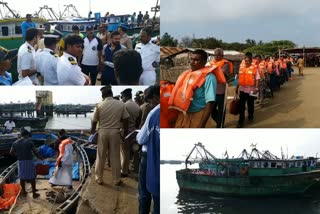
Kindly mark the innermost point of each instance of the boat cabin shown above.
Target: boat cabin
(12, 27)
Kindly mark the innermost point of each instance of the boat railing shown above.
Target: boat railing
(71, 201)
(8, 172)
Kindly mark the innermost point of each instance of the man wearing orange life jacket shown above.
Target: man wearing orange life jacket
(289, 67)
(63, 176)
(260, 65)
(167, 116)
(270, 74)
(283, 68)
(277, 71)
(248, 85)
(218, 113)
(194, 94)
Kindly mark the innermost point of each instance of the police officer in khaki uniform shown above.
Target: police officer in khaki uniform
(111, 115)
(133, 123)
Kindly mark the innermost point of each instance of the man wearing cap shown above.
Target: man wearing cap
(47, 59)
(111, 115)
(103, 34)
(125, 39)
(5, 64)
(149, 170)
(108, 75)
(40, 44)
(139, 99)
(26, 57)
(133, 123)
(68, 70)
(92, 53)
(147, 106)
(28, 23)
(150, 54)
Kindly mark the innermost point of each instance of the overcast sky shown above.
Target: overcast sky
(177, 143)
(237, 20)
(61, 94)
(117, 7)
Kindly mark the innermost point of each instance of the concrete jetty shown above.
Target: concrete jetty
(108, 198)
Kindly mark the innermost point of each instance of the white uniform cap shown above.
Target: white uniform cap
(51, 36)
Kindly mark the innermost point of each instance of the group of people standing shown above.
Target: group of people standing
(198, 98)
(47, 58)
(114, 120)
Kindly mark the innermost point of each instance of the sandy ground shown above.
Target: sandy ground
(108, 198)
(295, 105)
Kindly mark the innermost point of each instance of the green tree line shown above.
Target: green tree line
(251, 45)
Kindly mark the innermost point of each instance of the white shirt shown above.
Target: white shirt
(90, 51)
(149, 53)
(143, 135)
(46, 61)
(26, 60)
(67, 157)
(68, 71)
(9, 125)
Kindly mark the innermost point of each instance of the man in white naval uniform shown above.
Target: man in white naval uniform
(47, 59)
(26, 57)
(150, 54)
(68, 70)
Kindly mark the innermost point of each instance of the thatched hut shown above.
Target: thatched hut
(176, 60)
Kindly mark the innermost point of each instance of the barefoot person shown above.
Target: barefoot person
(24, 149)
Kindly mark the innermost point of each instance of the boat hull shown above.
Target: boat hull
(35, 123)
(248, 185)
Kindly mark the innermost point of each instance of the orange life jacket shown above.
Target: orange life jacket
(167, 116)
(62, 147)
(269, 66)
(185, 86)
(218, 72)
(277, 63)
(247, 76)
(261, 67)
(284, 64)
(10, 193)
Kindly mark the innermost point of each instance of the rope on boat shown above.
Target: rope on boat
(54, 203)
(15, 201)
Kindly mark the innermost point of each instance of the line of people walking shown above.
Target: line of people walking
(198, 98)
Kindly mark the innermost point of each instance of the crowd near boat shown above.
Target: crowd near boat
(80, 51)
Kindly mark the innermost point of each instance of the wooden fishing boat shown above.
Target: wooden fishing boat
(52, 199)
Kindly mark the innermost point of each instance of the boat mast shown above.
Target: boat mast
(50, 12)
(5, 4)
(68, 8)
(155, 9)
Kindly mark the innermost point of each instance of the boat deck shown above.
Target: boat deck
(42, 204)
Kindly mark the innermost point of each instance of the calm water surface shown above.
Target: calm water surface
(71, 122)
